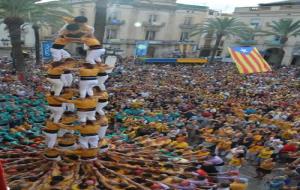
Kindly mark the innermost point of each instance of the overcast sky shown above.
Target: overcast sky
(224, 5)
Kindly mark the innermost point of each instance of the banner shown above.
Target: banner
(141, 48)
(46, 46)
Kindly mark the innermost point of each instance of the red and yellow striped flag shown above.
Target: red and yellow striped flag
(248, 60)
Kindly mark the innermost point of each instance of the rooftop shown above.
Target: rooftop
(288, 2)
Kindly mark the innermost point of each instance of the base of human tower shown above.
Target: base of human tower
(132, 165)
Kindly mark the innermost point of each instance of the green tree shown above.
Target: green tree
(283, 29)
(221, 28)
(247, 36)
(16, 13)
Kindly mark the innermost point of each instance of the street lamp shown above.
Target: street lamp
(137, 24)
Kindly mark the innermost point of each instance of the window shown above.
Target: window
(152, 18)
(150, 35)
(255, 23)
(184, 36)
(111, 34)
(188, 20)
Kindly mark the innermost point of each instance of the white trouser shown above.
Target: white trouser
(100, 106)
(101, 81)
(57, 85)
(84, 115)
(86, 87)
(56, 113)
(50, 139)
(102, 131)
(69, 107)
(89, 141)
(67, 79)
(62, 132)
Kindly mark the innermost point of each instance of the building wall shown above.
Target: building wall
(170, 17)
(259, 17)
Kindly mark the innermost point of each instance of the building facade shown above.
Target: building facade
(258, 18)
(164, 24)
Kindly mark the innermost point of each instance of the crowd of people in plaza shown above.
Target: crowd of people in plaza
(227, 119)
(208, 115)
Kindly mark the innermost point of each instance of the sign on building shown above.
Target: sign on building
(46, 46)
(141, 48)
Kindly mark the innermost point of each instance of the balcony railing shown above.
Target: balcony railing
(187, 26)
(154, 24)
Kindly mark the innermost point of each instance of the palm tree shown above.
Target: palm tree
(247, 36)
(221, 27)
(283, 30)
(16, 13)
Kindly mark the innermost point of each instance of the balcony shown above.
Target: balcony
(154, 26)
(275, 43)
(187, 26)
(246, 42)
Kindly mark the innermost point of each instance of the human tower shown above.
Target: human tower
(77, 123)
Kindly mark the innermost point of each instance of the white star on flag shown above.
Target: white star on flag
(244, 50)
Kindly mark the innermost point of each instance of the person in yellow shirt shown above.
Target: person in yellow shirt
(84, 154)
(253, 151)
(102, 75)
(102, 100)
(103, 122)
(88, 133)
(55, 105)
(86, 108)
(239, 184)
(67, 76)
(50, 132)
(52, 154)
(88, 79)
(236, 162)
(68, 93)
(54, 74)
(68, 142)
(68, 119)
(265, 153)
(265, 168)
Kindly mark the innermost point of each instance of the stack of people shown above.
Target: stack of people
(77, 123)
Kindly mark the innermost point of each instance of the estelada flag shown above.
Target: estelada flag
(249, 60)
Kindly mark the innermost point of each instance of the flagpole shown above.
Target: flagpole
(2, 178)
